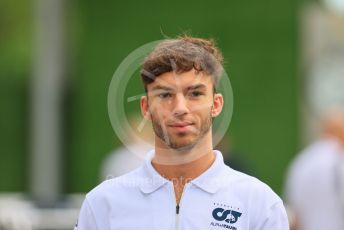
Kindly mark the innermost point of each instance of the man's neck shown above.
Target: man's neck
(187, 165)
(186, 171)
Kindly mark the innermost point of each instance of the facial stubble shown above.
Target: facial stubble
(162, 133)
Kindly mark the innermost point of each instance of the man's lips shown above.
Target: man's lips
(181, 126)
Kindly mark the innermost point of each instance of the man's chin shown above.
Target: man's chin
(182, 147)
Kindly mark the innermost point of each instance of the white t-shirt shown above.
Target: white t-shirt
(314, 188)
(220, 198)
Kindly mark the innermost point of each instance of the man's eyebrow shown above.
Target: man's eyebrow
(197, 86)
(162, 87)
(192, 87)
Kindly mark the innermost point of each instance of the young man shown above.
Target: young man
(183, 183)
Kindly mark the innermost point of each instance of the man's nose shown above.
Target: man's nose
(180, 105)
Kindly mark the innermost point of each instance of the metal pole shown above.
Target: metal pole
(46, 102)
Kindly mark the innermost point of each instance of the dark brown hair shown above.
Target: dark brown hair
(181, 55)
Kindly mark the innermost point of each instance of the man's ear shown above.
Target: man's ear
(145, 108)
(217, 105)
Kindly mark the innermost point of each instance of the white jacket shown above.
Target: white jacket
(220, 198)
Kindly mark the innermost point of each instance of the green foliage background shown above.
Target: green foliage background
(259, 42)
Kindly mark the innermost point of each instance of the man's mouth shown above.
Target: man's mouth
(182, 126)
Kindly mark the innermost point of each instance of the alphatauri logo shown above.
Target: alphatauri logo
(227, 215)
(230, 216)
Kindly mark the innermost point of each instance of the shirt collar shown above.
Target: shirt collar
(209, 181)
(152, 179)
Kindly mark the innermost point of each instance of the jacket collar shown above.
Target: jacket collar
(209, 181)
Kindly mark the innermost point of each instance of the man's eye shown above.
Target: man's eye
(164, 95)
(196, 93)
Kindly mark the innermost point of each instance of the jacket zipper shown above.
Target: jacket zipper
(176, 224)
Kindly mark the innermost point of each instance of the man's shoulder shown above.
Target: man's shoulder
(123, 184)
(249, 186)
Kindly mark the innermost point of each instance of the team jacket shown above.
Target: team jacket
(221, 198)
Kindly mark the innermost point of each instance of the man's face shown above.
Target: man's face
(181, 107)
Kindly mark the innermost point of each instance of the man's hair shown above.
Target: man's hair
(183, 54)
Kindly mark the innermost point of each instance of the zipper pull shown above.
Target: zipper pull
(177, 209)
